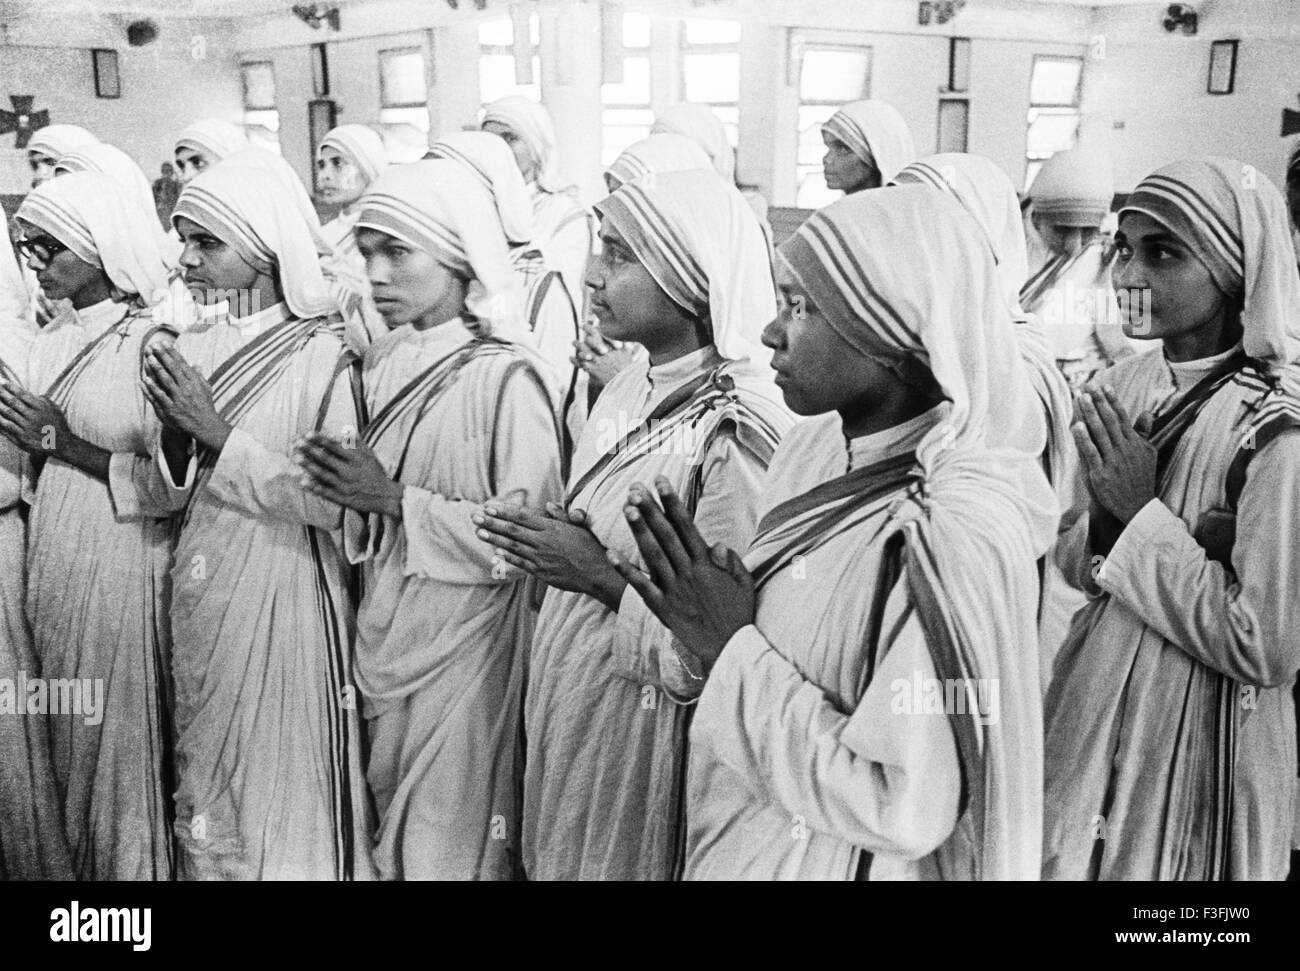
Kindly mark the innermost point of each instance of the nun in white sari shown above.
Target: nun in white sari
(608, 701)
(988, 195)
(349, 158)
(110, 160)
(1170, 720)
(868, 143)
(563, 227)
(656, 154)
(96, 567)
(269, 779)
(204, 144)
(32, 843)
(344, 275)
(886, 566)
(547, 312)
(49, 144)
(460, 413)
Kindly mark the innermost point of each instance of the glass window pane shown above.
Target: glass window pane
(1051, 132)
(499, 32)
(401, 78)
(1055, 81)
(259, 85)
(635, 87)
(712, 31)
(405, 132)
(811, 146)
(712, 77)
(496, 78)
(636, 30)
(837, 76)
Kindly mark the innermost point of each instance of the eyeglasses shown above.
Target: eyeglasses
(44, 248)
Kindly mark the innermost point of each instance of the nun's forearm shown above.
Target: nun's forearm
(86, 456)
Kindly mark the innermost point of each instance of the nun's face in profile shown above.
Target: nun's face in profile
(845, 171)
(1163, 289)
(213, 270)
(817, 370)
(189, 163)
(407, 284)
(42, 167)
(61, 273)
(625, 298)
(339, 178)
(524, 157)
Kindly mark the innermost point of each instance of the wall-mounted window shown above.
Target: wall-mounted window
(626, 113)
(404, 103)
(1053, 124)
(711, 69)
(497, 74)
(261, 117)
(829, 76)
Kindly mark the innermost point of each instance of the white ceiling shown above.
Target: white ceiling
(228, 8)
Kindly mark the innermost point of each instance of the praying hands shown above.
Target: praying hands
(702, 594)
(557, 547)
(35, 424)
(182, 398)
(348, 474)
(1119, 463)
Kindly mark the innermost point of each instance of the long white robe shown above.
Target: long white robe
(801, 756)
(442, 637)
(1136, 737)
(269, 778)
(32, 842)
(605, 716)
(563, 229)
(96, 601)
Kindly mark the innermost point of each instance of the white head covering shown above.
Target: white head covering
(699, 239)
(986, 192)
(247, 208)
(489, 159)
(362, 145)
(89, 214)
(121, 168)
(1074, 188)
(1234, 220)
(55, 141)
(658, 154)
(531, 122)
(870, 263)
(875, 132)
(213, 137)
(282, 172)
(440, 207)
(13, 288)
(705, 129)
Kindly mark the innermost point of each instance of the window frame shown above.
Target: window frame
(408, 49)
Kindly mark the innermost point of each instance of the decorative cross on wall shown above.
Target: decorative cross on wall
(22, 119)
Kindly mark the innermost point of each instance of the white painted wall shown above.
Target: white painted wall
(1154, 85)
(164, 85)
(1150, 83)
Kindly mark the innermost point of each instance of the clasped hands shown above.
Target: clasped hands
(1119, 463)
(702, 594)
